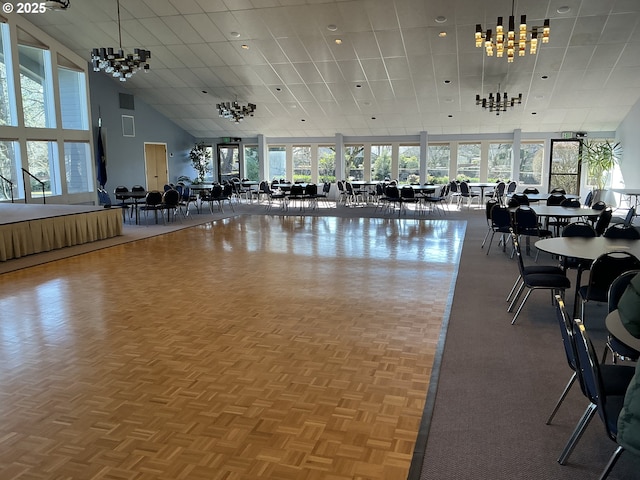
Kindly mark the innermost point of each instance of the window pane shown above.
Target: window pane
(500, 159)
(531, 160)
(251, 164)
(9, 169)
(302, 164)
(380, 162)
(438, 159)
(469, 161)
(327, 164)
(7, 102)
(354, 162)
(277, 163)
(42, 161)
(73, 99)
(35, 85)
(409, 164)
(77, 161)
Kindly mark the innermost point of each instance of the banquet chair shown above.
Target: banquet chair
(526, 223)
(535, 279)
(627, 219)
(603, 385)
(604, 219)
(498, 192)
(558, 190)
(219, 194)
(618, 349)
(408, 196)
(152, 203)
(170, 204)
(392, 197)
(519, 199)
(577, 229)
(297, 194)
(499, 221)
(604, 270)
(621, 231)
(511, 188)
(466, 192)
(555, 199)
(454, 192)
(532, 190)
(435, 202)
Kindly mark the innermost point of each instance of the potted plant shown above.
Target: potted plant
(200, 157)
(601, 157)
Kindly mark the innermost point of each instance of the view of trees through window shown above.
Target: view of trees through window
(438, 160)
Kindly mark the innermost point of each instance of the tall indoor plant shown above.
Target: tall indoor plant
(601, 157)
(200, 157)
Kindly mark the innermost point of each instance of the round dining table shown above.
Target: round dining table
(587, 248)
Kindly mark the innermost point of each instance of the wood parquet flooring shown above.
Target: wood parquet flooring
(257, 347)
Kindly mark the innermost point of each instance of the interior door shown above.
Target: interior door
(228, 162)
(157, 170)
(564, 170)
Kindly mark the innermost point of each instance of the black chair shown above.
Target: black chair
(498, 192)
(408, 196)
(392, 196)
(558, 190)
(627, 219)
(520, 199)
(436, 201)
(621, 231)
(588, 199)
(466, 192)
(554, 280)
(297, 194)
(555, 199)
(219, 194)
(570, 203)
(604, 270)
(526, 223)
(605, 391)
(511, 188)
(577, 229)
(454, 192)
(170, 203)
(499, 222)
(532, 190)
(603, 221)
(152, 203)
(619, 350)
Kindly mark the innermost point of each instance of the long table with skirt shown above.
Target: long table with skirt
(26, 229)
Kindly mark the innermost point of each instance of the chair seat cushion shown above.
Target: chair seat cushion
(552, 269)
(547, 280)
(616, 378)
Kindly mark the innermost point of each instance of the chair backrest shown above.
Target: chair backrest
(137, 188)
(167, 187)
(464, 188)
(556, 199)
(500, 216)
(340, 185)
(154, 197)
(603, 221)
(264, 187)
(392, 191)
(297, 190)
(171, 198)
(558, 190)
(453, 187)
(525, 219)
(311, 189)
(579, 229)
(521, 198)
(511, 188)
(518, 253)
(349, 188)
(599, 205)
(530, 190)
(186, 193)
(620, 230)
(217, 191)
(227, 190)
(592, 377)
(570, 203)
(617, 288)
(379, 189)
(631, 214)
(326, 187)
(588, 199)
(103, 198)
(566, 331)
(492, 202)
(121, 189)
(407, 192)
(606, 268)
(500, 188)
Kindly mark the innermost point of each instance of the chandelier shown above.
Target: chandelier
(512, 40)
(117, 63)
(235, 111)
(498, 103)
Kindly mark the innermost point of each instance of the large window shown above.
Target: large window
(354, 162)
(42, 158)
(327, 164)
(469, 161)
(73, 99)
(500, 159)
(409, 164)
(438, 160)
(36, 87)
(251, 164)
(277, 163)
(381, 162)
(302, 163)
(9, 169)
(531, 162)
(7, 102)
(77, 162)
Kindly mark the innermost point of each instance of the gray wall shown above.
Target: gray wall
(629, 137)
(125, 155)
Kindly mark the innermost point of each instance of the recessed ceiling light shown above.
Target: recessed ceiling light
(338, 41)
(367, 104)
(373, 118)
(332, 28)
(245, 47)
(204, 91)
(544, 77)
(235, 34)
(358, 86)
(440, 19)
(303, 120)
(564, 9)
(442, 34)
(447, 82)
(534, 113)
(450, 116)
(278, 89)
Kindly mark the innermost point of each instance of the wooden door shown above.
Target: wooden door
(156, 166)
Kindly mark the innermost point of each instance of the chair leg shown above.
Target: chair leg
(562, 397)
(493, 232)
(612, 461)
(526, 297)
(577, 433)
(515, 297)
(513, 289)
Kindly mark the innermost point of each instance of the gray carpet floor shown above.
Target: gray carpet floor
(496, 383)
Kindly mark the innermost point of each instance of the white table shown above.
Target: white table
(587, 248)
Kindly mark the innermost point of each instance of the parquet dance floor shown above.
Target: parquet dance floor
(257, 347)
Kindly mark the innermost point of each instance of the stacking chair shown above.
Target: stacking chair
(605, 391)
(511, 188)
(604, 270)
(435, 201)
(531, 190)
(466, 192)
(618, 349)
(499, 220)
(583, 230)
(520, 199)
(170, 203)
(152, 203)
(558, 190)
(219, 194)
(392, 197)
(588, 199)
(454, 192)
(408, 196)
(621, 231)
(526, 223)
(556, 199)
(550, 278)
(628, 218)
(498, 192)
(297, 194)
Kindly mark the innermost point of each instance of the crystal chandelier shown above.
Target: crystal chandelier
(235, 111)
(117, 63)
(512, 40)
(498, 103)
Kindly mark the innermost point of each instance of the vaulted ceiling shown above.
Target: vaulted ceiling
(393, 73)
